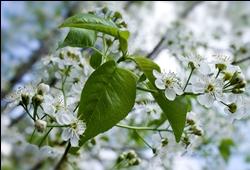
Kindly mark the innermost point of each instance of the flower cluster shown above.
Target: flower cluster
(216, 80)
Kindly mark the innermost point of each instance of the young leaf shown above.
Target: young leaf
(107, 98)
(95, 60)
(176, 110)
(79, 38)
(225, 148)
(92, 22)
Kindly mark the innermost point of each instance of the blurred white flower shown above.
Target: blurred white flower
(43, 88)
(52, 104)
(168, 82)
(210, 89)
(222, 61)
(198, 62)
(238, 107)
(15, 97)
(75, 127)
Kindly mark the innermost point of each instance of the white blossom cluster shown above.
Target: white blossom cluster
(215, 80)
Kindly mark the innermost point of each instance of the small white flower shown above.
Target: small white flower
(238, 107)
(52, 104)
(43, 88)
(74, 130)
(40, 125)
(211, 89)
(197, 61)
(168, 82)
(15, 97)
(222, 61)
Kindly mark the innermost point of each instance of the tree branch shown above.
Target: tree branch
(241, 60)
(158, 47)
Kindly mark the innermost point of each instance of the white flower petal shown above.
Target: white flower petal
(159, 84)
(64, 118)
(170, 94)
(178, 90)
(206, 100)
(66, 134)
(157, 74)
(74, 140)
(204, 68)
(198, 87)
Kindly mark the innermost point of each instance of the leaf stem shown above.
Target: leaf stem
(27, 111)
(58, 125)
(144, 141)
(192, 69)
(31, 137)
(44, 137)
(147, 90)
(142, 128)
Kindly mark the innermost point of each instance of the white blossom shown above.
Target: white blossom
(44, 88)
(75, 127)
(198, 62)
(210, 89)
(238, 107)
(168, 82)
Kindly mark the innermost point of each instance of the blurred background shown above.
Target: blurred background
(160, 31)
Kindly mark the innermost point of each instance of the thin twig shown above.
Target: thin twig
(59, 164)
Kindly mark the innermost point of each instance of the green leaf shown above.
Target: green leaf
(176, 110)
(92, 22)
(95, 60)
(146, 66)
(107, 97)
(224, 147)
(79, 38)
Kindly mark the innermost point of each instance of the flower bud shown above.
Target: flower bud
(43, 89)
(134, 161)
(37, 99)
(227, 76)
(240, 85)
(221, 66)
(197, 132)
(61, 56)
(238, 91)
(164, 142)
(191, 64)
(25, 99)
(40, 125)
(237, 78)
(232, 107)
(105, 10)
(121, 157)
(131, 154)
(93, 141)
(117, 15)
(190, 122)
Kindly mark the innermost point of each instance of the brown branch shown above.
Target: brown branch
(36, 55)
(241, 60)
(158, 47)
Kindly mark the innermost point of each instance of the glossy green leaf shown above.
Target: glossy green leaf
(225, 148)
(176, 110)
(95, 60)
(92, 22)
(107, 98)
(79, 38)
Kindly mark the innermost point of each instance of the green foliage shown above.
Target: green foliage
(79, 38)
(95, 60)
(107, 98)
(225, 148)
(92, 22)
(176, 110)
